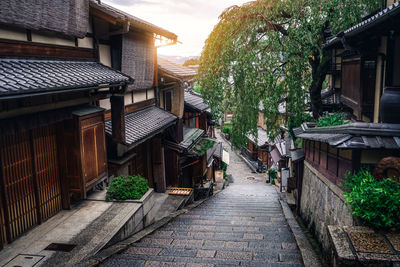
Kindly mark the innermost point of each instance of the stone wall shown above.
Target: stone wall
(322, 204)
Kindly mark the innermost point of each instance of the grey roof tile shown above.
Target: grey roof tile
(354, 135)
(175, 69)
(19, 76)
(190, 136)
(195, 101)
(144, 123)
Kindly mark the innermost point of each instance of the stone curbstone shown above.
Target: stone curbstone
(121, 246)
(308, 254)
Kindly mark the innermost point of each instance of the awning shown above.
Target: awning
(201, 147)
(190, 136)
(144, 124)
(21, 77)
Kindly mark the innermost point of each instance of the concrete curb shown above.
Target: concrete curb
(118, 248)
(310, 257)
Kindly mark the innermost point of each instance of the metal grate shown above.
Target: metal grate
(60, 247)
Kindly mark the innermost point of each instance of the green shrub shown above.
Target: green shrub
(224, 166)
(337, 118)
(127, 187)
(272, 174)
(227, 129)
(377, 203)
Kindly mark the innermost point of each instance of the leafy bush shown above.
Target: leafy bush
(377, 203)
(227, 129)
(224, 168)
(127, 187)
(272, 174)
(337, 118)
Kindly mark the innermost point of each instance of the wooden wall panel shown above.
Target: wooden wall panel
(101, 149)
(47, 170)
(18, 183)
(89, 162)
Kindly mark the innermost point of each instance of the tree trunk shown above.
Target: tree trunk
(319, 71)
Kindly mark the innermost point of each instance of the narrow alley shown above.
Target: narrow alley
(242, 225)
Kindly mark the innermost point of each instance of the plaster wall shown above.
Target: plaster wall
(18, 35)
(105, 55)
(150, 94)
(40, 38)
(322, 204)
(139, 96)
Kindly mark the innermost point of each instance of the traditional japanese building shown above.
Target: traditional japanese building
(368, 86)
(52, 142)
(137, 147)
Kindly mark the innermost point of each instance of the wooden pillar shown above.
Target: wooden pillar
(118, 118)
(179, 131)
(158, 166)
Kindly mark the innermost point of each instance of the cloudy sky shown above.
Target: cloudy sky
(191, 20)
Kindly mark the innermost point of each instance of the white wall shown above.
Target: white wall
(139, 96)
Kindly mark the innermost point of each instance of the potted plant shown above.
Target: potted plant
(272, 174)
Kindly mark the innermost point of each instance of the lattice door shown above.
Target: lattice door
(17, 184)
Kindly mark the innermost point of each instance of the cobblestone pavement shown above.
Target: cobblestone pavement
(241, 226)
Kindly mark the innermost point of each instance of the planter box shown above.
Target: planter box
(137, 219)
(362, 246)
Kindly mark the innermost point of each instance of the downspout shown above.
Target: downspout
(156, 88)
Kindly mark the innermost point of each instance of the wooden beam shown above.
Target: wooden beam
(22, 49)
(118, 118)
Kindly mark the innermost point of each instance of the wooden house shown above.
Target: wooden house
(52, 142)
(137, 147)
(190, 156)
(197, 113)
(368, 54)
(263, 153)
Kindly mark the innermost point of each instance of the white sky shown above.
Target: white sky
(191, 20)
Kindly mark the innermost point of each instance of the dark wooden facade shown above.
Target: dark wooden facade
(86, 158)
(333, 163)
(358, 84)
(30, 186)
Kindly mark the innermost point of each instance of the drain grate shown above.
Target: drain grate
(24, 260)
(250, 178)
(60, 247)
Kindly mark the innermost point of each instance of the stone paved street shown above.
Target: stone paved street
(242, 225)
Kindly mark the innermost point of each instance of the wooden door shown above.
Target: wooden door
(19, 203)
(30, 186)
(89, 161)
(94, 158)
(47, 170)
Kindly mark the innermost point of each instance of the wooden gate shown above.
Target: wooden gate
(30, 187)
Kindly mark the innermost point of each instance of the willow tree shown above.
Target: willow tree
(271, 51)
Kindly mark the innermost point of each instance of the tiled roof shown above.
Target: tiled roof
(176, 70)
(353, 135)
(144, 123)
(19, 76)
(382, 16)
(262, 139)
(134, 21)
(195, 101)
(190, 136)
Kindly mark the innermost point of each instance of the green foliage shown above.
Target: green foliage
(127, 187)
(192, 61)
(337, 118)
(377, 203)
(224, 166)
(299, 143)
(227, 129)
(197, 89)
(272, 174)
(271, 51)
(202, 146)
